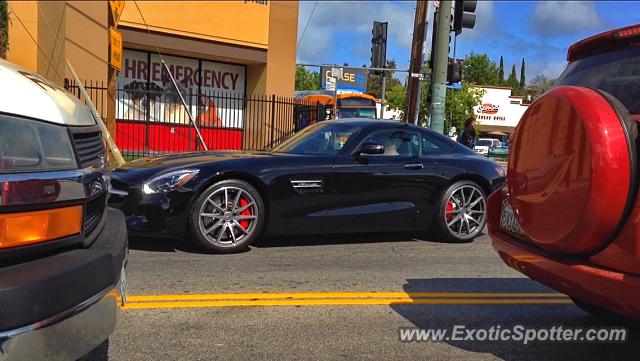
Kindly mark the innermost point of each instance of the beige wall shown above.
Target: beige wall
(75, 29)
(281, 56)
(21, 48)
(235, 22)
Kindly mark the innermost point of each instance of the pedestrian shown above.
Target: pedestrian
(468, 135)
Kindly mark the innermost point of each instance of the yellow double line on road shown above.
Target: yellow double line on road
(339, 298)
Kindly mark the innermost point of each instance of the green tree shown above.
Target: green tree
(4, 29)
(459, 105)
(307, 80)
(512, 80)
(374, 82)
(539, 85)
(501, 71)
(480, 70)
(522, 77)
(396, 97)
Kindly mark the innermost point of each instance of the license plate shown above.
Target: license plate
(508, 221)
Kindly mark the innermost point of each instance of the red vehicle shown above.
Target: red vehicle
(569, 215)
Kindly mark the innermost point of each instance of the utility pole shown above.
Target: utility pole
(415, 67)
(440, 62)
(382, 96)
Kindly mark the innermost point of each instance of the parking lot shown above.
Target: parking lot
(346, 298)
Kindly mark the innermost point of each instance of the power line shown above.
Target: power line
(308, 21)
(34, 41)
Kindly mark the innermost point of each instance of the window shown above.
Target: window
(397, 142)
(319, 139)
(617, 73)
(432, 145)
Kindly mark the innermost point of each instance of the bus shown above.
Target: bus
(306, 100)
(356, 105)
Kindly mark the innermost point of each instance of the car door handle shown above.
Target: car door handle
(414, 166)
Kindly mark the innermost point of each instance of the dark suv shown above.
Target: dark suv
(62, 251)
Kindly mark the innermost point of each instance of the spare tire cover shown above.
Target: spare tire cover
(569, 172)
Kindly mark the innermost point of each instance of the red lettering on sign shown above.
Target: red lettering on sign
(216, 79)
(224, 82)
(188, 74)
(207, 78)
(234, 80)
(142, 70)
(129, 67)
(155, 71)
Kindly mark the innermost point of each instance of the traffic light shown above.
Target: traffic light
(379, 45)
(464, 15)
(454, 71)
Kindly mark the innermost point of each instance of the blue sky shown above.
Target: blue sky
(539, 31)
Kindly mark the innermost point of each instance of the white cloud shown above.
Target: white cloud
(565, 17)
(332, 21)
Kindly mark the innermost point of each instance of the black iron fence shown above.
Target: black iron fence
(151, 120)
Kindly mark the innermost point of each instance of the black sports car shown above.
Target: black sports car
(332, 177)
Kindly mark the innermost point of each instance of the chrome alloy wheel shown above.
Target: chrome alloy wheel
(465, 213)
(228, 216)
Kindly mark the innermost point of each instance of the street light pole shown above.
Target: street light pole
(439, 74)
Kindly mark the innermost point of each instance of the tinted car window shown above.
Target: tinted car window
(617, 73)
(431, 145)
(396, 142)
(321, 139)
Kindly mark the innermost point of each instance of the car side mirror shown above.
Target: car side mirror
(371, 148)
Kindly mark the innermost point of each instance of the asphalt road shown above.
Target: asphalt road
(346, 299)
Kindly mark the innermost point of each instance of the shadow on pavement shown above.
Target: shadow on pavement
(536, 316)
(157, 244)
(334, 239)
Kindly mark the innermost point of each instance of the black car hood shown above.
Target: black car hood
(150, 166)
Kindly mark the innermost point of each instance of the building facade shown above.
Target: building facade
(499, 111)
(230, 61)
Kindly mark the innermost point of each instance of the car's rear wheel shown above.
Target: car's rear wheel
(462, 212)
(227, 217)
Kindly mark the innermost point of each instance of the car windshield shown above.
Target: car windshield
(617, 73)
(483, 143)
(369, 113)
(319, 139)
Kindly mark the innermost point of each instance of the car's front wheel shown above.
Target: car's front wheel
(462, 212)
(227, 217)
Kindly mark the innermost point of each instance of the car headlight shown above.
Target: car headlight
(27, 145)
(169, 181)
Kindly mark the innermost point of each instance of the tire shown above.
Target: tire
(227, 217)
(454, 226)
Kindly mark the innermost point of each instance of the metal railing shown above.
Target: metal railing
(151, 120)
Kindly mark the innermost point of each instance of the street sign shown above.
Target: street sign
(337, 72)
(116, 10)
(331, 84)
(417, 75)
(115, 49)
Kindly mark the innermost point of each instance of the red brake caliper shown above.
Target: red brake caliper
(247, 212)
(448, 211)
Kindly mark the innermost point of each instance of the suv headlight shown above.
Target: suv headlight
(27, 145)
(169, 181)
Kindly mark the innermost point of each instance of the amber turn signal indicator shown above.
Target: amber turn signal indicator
(26, 228)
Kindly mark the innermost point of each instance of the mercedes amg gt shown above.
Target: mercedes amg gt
(341, 176)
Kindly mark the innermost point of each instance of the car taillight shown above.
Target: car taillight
(628, 32)
(26, 228)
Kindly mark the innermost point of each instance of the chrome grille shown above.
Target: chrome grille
(89, 149)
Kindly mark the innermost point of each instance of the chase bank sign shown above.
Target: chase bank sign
(351, 80)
